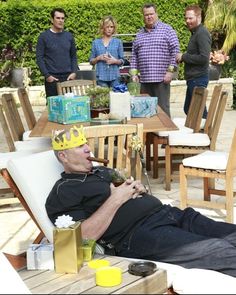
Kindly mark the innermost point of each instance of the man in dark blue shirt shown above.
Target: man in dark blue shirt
(56, 53)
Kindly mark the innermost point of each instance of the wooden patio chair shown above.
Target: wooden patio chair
(6, 131)
(211, 165)
(26, 107)
(78, 87)
(13, 117)
(32, 177)
(19, 135)
(191, 124)
(195, 143)
(16, 148)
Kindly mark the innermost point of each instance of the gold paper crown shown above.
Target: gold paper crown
(63, 140)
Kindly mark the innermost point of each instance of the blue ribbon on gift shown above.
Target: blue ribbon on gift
(120, 88)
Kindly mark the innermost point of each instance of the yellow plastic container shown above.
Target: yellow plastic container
(109, 276)
(97, 263)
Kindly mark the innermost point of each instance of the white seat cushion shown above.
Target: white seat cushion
(5, 157)
(202, 125)
(35, 176)
(182, 129)
(180, 122)
(11, 282)
(43, 140)
(203, 281)
(194, 139)
(32, 145)
(208, 160)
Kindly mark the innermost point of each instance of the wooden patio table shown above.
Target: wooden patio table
(48, 282)
(158, 122)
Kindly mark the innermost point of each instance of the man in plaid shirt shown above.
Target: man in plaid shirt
(153, 56)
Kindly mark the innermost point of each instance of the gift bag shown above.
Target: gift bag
(120, 104)
(68, 252)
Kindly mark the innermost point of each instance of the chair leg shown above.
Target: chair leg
(229, 200)
(155, 157)
(206, 184)
(168, 168)
(148, 151)
(17, 261)
(183, 187)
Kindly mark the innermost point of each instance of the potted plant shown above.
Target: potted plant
(12, 66)
(99, 100)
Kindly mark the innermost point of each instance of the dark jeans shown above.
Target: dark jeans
(160, 90)
(51, 87)
(199, 81)
(184, 237)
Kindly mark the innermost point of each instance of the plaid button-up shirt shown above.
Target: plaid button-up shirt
(153, 52)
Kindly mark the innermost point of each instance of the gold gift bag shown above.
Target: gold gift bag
(68, 252)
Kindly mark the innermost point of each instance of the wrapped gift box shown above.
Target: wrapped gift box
(68, 110)
(143, 106)
(40, 256)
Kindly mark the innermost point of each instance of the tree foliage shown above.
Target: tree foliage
(221, 21)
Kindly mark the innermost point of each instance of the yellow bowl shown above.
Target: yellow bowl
(97, 263)
(108, 276)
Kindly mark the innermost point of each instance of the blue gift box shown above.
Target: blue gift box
(143, 106)
(68, 110)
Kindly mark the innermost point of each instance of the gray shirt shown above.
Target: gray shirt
(196, 59)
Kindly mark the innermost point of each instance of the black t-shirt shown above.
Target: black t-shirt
(80, 195)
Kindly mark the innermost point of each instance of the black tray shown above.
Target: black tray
(142, 268)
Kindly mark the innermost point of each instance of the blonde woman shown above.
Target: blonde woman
(107, 54)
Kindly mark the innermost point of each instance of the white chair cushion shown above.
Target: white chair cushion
(11, 282)
(202, 281)
(202, 125)
(35, 176)
(5, 157)
(208, 160)
(194, 139)
(33, 145)
(182, 129)
(180, 122)
(43, 140)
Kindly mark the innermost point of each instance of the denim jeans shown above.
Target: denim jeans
(199, 81)
(184, 237)
(109, 84)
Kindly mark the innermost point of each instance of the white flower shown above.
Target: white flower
(64, 221)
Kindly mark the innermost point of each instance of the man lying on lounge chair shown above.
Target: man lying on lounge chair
(130, 221)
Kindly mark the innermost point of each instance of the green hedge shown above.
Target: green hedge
(21, 22)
